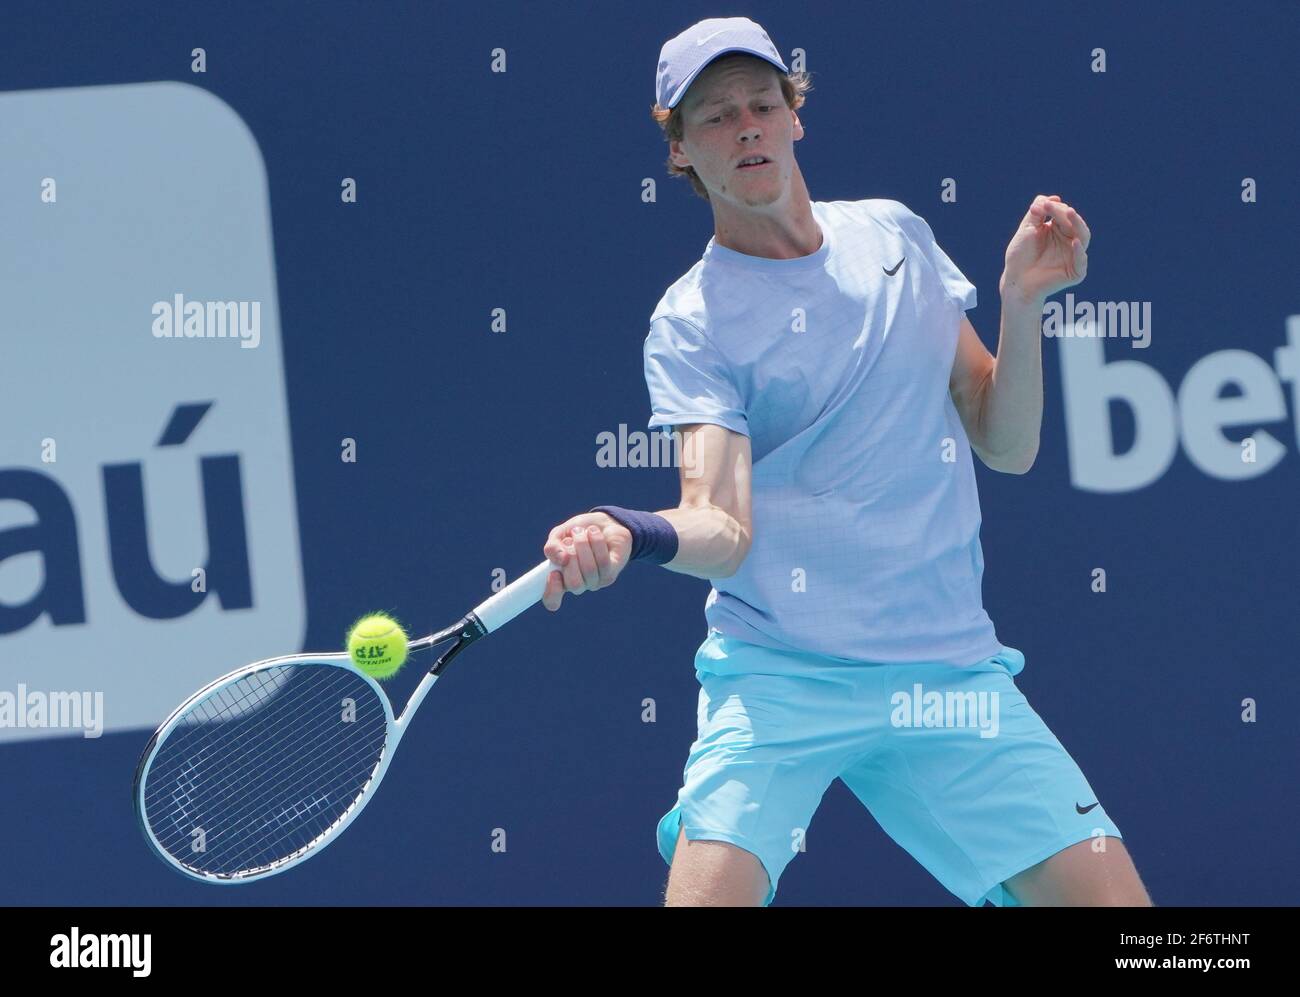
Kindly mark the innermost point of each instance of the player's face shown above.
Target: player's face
(734, 110)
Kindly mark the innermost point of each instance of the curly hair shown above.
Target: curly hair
(793, 88)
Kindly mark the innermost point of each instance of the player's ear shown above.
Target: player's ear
(677, 154)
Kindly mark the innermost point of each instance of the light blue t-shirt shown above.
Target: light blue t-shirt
(836, 366)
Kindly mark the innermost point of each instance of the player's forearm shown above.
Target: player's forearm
(711, 543)
(1011, 410)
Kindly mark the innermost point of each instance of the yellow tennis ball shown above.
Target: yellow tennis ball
(377, 645)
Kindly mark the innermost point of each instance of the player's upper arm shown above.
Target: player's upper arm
(693, 389)
(715, 470)
(971, 369)
(715, 473)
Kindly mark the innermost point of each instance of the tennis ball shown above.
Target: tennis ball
(377, 645)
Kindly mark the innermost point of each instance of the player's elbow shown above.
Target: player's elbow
(1011, 457)
(740, 550)
(1017, 463)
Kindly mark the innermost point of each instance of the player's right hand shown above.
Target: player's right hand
(588, 552)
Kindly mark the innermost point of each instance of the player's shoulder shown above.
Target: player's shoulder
(881, 210)
(873, 218)
(887, 216)
(672, 325)
(682, 311)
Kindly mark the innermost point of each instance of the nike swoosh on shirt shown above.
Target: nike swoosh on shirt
(1084, 810)
(896, 266)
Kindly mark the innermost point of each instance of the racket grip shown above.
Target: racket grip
(512, 600)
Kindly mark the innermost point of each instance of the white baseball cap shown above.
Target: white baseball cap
(683, 58)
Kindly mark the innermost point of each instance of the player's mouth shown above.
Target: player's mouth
(753, 163)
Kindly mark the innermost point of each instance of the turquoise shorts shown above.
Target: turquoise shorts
(951, 761)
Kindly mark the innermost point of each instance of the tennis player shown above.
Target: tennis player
(819, 366)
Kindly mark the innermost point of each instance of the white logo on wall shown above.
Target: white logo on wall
(150, 543)
(1199, 414)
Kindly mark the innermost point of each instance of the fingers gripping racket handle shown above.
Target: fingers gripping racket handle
(512, 600)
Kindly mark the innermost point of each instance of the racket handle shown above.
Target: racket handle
(512, 600)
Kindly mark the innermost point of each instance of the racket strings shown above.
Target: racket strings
(281, 786)
(295, 813)
(263, 767)
(276, 732)
(191, 751)
(260, 808)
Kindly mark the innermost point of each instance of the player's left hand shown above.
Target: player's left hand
(1049, 251)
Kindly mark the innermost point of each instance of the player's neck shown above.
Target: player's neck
(782, 230)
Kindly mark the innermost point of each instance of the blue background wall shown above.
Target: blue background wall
(523, 191)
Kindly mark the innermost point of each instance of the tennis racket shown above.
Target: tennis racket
(267, 765)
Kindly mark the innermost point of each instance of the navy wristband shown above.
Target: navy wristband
(653, 537)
